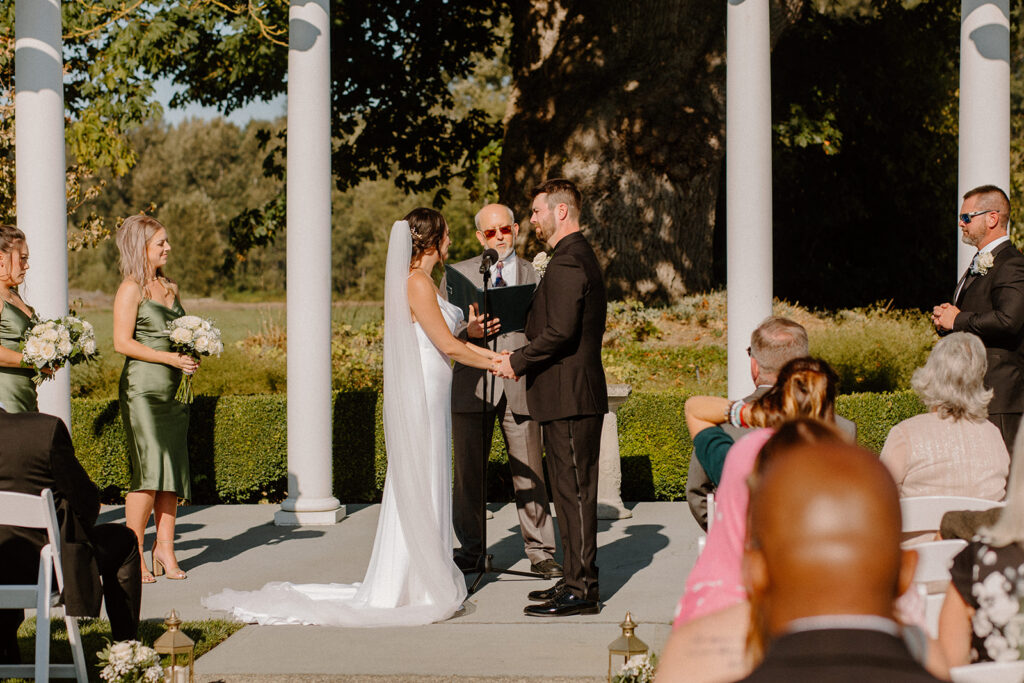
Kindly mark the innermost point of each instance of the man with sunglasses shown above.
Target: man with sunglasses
(496, 229)
(989, 302)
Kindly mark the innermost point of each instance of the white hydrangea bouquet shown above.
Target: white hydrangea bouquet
(638, 669)
(196, 337)
(52, 344)
(129, 661)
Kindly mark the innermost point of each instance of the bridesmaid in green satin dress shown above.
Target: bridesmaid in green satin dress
(155, 424)
(17, 391)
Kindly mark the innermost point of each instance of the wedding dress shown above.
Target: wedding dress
(411, 578)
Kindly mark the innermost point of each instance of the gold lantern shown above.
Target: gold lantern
(181, 649)
(626, 645)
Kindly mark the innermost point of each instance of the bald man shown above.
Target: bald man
(824, 566)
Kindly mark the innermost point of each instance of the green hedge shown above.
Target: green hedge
(238, 445)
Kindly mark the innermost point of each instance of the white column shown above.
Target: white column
(310, 498)
(609, 467)
(984, 104)
(748, 165)
(40, 172)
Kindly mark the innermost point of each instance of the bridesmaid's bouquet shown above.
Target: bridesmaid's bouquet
(196, 337)
(52, 344)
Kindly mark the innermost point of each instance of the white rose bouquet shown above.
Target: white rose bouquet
(639, 669)
(196, 337)
(52, 344)
(129, 661)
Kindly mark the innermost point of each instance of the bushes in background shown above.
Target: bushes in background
(239, 449)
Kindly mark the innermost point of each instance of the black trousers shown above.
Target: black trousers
(573, 446)
(1008, 424)
(117, 557)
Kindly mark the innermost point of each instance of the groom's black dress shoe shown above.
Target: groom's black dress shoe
(566, 604)
(548, 568)
(548, 593)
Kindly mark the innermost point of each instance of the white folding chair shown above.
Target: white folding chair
(37, 512)
(931, 577)
(924, 513)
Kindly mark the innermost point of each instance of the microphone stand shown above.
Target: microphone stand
(484, 564)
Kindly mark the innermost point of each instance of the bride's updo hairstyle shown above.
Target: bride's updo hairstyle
(132, 238)
(427, 229)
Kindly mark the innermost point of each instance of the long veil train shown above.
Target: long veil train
(411, 578)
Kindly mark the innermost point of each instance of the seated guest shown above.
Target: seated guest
(806, 388)
(713, 648)
(774, 342)
(36, 454)
(982, 613)
(823, 566)
(952, 450)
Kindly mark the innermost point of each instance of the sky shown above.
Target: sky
(257, 110)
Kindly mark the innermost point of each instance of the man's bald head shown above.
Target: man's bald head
(825, 536)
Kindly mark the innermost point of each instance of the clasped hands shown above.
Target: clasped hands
(944, 315)
(503, 367)
(476, 328)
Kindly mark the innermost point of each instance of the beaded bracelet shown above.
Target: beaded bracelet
(736, 414)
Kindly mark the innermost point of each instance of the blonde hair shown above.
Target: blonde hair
(132, 238)
(1009, 528)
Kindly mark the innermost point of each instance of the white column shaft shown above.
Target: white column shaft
(40, 172)
(310, 498)
(984, 104)
(748, 166)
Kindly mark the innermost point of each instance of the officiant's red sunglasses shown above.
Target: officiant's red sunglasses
(489, 233)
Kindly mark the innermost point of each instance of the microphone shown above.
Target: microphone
(490, 257)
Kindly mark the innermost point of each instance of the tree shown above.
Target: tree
(628, 100)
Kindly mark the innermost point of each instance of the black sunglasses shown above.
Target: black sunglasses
(965, 218)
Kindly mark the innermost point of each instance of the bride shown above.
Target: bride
(411, 578)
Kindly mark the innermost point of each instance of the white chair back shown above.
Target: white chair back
(988, 672)
(935, 558)
(38, 512)
(703, 540)
(924, 513)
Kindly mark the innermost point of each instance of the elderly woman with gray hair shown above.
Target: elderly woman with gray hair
(952, 450)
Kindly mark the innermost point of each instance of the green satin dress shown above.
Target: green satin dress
(156, 425)
(17, 391)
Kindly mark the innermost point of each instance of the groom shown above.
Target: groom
(565, 389)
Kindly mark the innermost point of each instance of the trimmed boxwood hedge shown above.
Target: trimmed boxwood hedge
(238, 445)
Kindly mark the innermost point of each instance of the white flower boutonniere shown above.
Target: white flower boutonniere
(540, 263)
(982, 262)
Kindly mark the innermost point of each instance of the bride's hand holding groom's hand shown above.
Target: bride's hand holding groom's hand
(503, 367)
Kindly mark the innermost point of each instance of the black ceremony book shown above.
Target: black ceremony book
(508, 304)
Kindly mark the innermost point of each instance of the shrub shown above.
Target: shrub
(238, 445)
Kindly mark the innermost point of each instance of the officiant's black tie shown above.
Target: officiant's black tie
(499, 281)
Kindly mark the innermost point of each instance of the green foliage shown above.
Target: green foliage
(630, 320)
(238, 445)
(873, 349)
(694, 369)
(206, 634)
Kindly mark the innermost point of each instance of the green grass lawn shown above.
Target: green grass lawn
(96, 633)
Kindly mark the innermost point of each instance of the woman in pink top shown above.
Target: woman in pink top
(806, 387)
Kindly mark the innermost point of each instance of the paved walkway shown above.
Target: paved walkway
(643, 561)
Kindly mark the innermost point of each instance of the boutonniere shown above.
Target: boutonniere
(540, 263)
(982, 262)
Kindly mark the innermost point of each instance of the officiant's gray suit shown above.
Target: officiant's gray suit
(522, 436)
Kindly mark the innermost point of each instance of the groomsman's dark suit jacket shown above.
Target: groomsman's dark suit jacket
(522, 435)
(567, 394)
(992, 307)
(839, 656)
(35, 454)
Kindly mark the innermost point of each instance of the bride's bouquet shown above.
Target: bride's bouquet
(196, 337)
(129, 661)
(52, 344)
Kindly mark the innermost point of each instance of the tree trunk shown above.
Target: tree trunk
(627, 99)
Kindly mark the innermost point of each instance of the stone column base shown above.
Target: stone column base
(309, 517)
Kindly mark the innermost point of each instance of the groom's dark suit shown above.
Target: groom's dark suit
(992, 307)
(36, 454)
(567, 394)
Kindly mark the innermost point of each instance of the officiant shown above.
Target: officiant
(497, 229)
